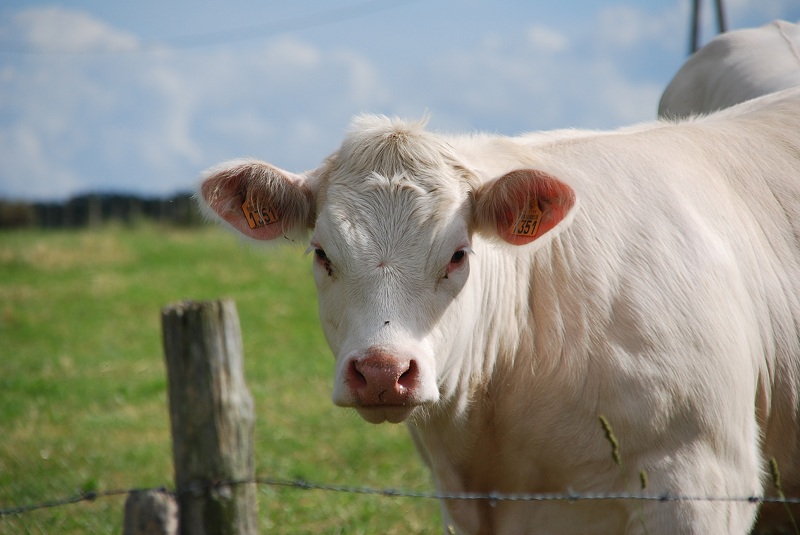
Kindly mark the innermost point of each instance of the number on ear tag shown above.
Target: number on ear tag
(258, 217)
(528, 222)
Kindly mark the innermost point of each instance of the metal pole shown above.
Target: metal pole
(695, 26)
(721, 26)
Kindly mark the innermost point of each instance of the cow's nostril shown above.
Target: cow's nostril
(355, 377)
(408, 379)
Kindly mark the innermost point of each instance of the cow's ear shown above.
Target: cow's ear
(522, 206)
(257, 199)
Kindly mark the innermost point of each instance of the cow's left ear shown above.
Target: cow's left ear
(522, 206)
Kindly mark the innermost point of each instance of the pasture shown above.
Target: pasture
(83, 384)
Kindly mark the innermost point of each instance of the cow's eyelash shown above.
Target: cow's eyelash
(322, 257)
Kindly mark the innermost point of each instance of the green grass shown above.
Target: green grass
(83, 384)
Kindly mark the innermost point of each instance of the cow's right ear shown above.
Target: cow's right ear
(257, 199)
(522, 206)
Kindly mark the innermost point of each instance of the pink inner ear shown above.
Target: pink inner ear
(528, 203)
(239, 195)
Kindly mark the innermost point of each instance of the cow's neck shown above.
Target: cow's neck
(474, 446)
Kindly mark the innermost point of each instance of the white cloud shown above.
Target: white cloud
(23, 159)
(547, 38)
(624, 26)
(540, 80)
(631, 26)
(172, 127)
(364, 85)
(288, 54)
(53, 29)
(150, 122)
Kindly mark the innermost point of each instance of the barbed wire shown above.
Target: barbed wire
(200, 489)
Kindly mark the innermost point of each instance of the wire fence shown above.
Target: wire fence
(191, 318)
(492, 497)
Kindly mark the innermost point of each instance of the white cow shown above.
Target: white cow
(735, 67)
(500, 294)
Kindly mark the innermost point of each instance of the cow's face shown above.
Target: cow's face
(391, 263)
(393, 215)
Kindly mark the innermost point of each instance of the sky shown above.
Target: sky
(141, 97)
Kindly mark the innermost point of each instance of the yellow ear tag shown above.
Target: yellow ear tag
(258, 217)
(528, 222)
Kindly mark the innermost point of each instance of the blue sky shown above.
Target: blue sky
(140, 97)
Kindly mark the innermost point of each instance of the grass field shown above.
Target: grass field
(83, 387)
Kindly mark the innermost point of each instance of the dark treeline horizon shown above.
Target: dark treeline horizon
(93, 209)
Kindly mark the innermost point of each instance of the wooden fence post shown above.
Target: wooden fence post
(212, 419)
(151, 512)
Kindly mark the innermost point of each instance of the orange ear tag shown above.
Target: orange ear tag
(528, 222)
(258, 217)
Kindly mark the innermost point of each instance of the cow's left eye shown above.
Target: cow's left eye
(456, 261)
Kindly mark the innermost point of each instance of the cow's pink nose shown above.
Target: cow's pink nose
(382, 379)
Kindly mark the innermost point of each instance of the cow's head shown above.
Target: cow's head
(392, 216)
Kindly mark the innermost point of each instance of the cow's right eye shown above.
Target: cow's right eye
(323, 259)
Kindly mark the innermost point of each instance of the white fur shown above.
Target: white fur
(668, 301)
(735, 67)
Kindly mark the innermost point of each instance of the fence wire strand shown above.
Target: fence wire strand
(491, 497)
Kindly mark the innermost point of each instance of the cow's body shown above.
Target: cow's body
(735, 67)
(661, 289)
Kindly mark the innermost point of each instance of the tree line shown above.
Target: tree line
(99, 208)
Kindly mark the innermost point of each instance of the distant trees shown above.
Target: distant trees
(95, 209)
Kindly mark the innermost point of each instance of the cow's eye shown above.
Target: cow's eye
(458, 257)
(456, 261)
(324, 261)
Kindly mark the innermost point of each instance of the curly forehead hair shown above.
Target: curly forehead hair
(393, 148)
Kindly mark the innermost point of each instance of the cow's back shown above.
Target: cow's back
(735, 67)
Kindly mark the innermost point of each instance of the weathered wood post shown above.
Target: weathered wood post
(212, 419)
(150, 512)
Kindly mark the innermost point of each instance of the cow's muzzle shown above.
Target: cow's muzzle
(383, 380)
(384, 384)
